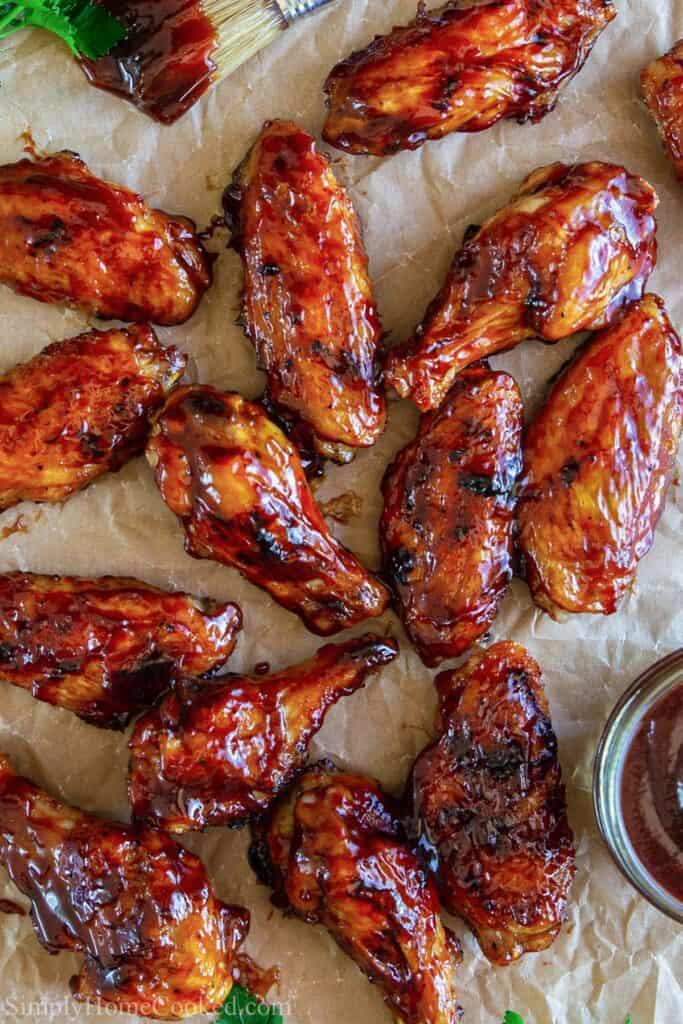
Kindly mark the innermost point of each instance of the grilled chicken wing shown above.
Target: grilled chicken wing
(139, 907)
(79, 408)
(307, 302)
(332, 850)
(662, 87)
(446, 529)
(598, 461)
(106, 648)
(574, 246)
(487, 805)
(460, 68)
(68, 237)
(239, 488)
(219, 754)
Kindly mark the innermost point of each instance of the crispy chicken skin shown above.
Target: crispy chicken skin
(662, 87)
(487, 806)
(569, 250)
(238, 486)
(139, 907)
(460, 68)
(106, 648)
(332, 849)
(219, 754)
(446, 528)
(307, 301)
(69, 237)
(598, 461)
(78, 409)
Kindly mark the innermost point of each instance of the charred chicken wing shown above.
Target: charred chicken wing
(446, 529)
(487, 804)
(574, 246)
(332, 849)
(219, 754)
(79, 408)
(307, 302)
(598, 461)
(139, 907)
(106, 648)
(68, 237)
(460, 68)
(662, 86)
(239, 488)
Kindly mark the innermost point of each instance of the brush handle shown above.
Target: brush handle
(294, 9)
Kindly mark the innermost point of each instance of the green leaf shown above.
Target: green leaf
(241, 1007)
(87, 29)
(512, 1018)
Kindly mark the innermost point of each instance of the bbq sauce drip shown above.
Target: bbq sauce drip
(164, 65)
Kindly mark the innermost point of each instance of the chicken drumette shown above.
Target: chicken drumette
(69, 237)
(307, 302)
(106, 648)
(460, 68)
(487, 806)
(332, 850)
(139, 907)
(219, 754)
(238, 486)
(598, 461)
(574, 246)
(662, 86)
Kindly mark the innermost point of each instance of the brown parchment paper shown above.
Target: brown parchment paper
(616, 955)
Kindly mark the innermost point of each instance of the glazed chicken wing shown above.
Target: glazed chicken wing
(662, 86)
(79, 408)
(460, 68)
(307, 301)
(446, 529)
(219, 754)
(106, 648)
(487, 805)
(139, 907)
(574, 246)
(332, 850)
(598, 461)
(239, 488)
(68, 237)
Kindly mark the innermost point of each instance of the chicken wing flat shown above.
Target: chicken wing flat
(78, 409)
(488, 808)
(139, 907)
(219, 754)
(106, 648)
(460, 68)
(332, 850)
(307, 301)
(68, 237)
(598, 461)
(446, 529)
(239, 488)
(662, 88)
(574, 246)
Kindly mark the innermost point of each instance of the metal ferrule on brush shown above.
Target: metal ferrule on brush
(293, 9)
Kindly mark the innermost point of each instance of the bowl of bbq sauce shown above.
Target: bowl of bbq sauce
(638, 785)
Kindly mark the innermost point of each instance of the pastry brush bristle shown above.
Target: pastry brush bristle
(243, 28)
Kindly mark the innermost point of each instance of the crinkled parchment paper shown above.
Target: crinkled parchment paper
(616, 955)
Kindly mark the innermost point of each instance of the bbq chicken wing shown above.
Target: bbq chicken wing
(307, 301)
(487, 805)
(79, 408)
(219, 754)
(332, 849)
(68, 237)
(574, 246)
(662, 87)
(239, 488)
(460, 68)
(139, 907)
(598, 461)
(446, 529)
(106, 648)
